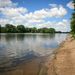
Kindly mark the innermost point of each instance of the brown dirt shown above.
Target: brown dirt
(63, 62)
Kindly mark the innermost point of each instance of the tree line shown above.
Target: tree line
(8, 28)
(73, 21)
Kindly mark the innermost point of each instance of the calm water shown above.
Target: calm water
(15, 48)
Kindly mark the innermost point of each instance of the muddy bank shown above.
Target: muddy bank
(33, 67)
(63, 62)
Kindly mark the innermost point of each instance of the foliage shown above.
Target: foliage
(21, 29)
(73, 21)
(10, 28)
(46, 30)
(0, 28)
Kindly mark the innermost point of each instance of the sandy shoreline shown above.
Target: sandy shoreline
(63, 62)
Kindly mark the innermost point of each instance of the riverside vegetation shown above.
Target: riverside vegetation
(21, 29)
(73, 21)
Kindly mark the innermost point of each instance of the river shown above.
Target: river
(19, 47)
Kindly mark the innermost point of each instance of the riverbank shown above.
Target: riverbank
(32, 67)
(63, 61)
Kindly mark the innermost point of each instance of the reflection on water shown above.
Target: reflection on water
(15, 48)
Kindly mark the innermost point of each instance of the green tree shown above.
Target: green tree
(73, 20)
(33, 30)
(74, 4)
(3, 30)
(51, 30)
(0, 28)
(10, 28)
(46, 30)
(21, 29)
(27, 30)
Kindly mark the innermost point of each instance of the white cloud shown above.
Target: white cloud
(40, 15)
(21, 14)
(57, 11)
(7, 3)
(63, 23)
(70, 5)
(5, 21)
(44, 13)
(59, 26)
(12, 12)
(53, 5)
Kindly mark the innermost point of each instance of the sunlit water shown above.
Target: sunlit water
(15, 48)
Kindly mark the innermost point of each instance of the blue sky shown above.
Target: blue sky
(37, 13)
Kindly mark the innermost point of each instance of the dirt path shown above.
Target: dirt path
(64, 61)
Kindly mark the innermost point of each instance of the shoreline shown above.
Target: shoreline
(34, 67)
(63, 61)
(51, 59)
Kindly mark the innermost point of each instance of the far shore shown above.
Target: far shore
(36, 32)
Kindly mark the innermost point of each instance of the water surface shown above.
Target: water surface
(15, 48)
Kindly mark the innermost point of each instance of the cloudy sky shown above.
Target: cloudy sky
(37, 13)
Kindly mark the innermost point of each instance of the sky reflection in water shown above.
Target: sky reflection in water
(19, 47)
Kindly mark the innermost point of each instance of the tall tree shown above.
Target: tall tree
(10, 28)
(73, 20)
(74, 4)
(0, 28)
(20, 28)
